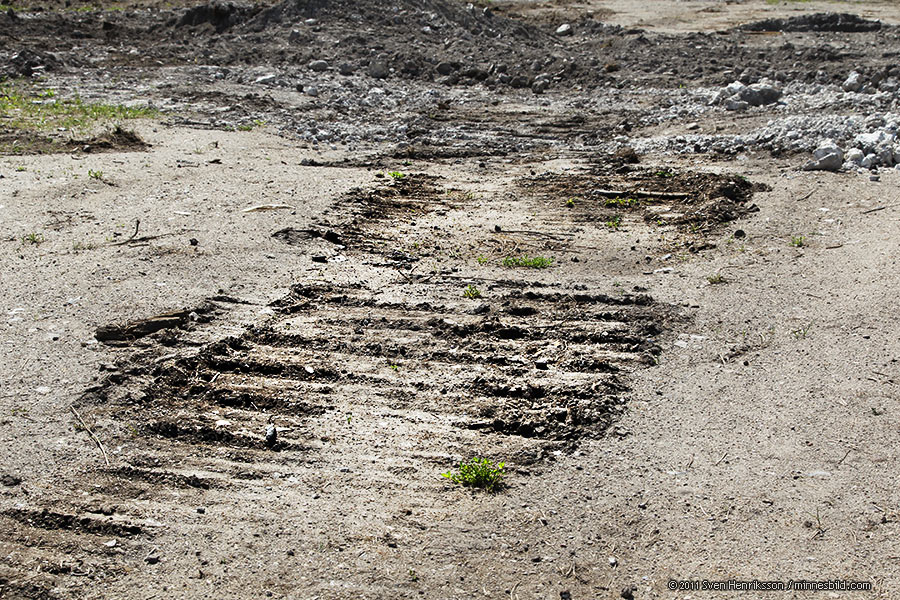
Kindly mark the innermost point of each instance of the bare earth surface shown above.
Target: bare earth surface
(701, 386)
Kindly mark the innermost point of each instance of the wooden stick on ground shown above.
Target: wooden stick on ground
(137, 225)
(642, 193)
(91, 433)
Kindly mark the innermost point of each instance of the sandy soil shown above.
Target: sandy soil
(691, 391)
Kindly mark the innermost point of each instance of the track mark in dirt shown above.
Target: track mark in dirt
(382, 386)
(50, 520)
(694, 202)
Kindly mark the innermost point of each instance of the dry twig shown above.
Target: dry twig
(91, 433)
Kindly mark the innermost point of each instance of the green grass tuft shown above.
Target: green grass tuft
(535, 262)
(479, 473)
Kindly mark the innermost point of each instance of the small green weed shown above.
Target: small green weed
(570, 202)
(665, 173)
(33, 238)
(397, 175)
(798, 241)
(801, 332)
(615, 222)
(622, 202)
(716, 278)
(535, 262)
(481, 259)
(95, 174)
(479, 473)
(471, 292)
(82, 246)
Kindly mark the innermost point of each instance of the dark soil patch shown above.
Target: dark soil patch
(47, 519)
(695, 202)
(19, 142)
(836, 22)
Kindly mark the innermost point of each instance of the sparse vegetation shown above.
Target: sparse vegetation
(33, 238)
(798, 241)
(26, 107)
(570, 202)
(471, 292)
(397, 175)
(614, 222)
(82, 246)
(622, 202)
(481, 259)
(95, 174)
(716, 278)
(534, 262)
(479, 473)
(801, 332)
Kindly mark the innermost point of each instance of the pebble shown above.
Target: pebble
(378, 69)
(318, 66)
(827, 157)
(853, 83)
(564, 29)
(266, 79)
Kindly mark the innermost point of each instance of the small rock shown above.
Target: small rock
(378, 69)
(271, 435)
(193, 241)
(541, 364)
(874, 178)
(152, 559)
(853, 83)
(827, 157)
(266, 79)
(444, 68)
(10, 480)
(628, 592)
(345, 69)
(740, 233)
(318, 66)
(613, 562)
(539, 86)
(736, 104)
(855, 156)
(201, 510)
(312, 91)
(564, 29)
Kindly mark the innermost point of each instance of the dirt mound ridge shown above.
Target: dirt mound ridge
(842, 22)
(409, 38)
(443, 17)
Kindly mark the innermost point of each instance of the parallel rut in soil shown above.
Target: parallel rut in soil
(371, 386)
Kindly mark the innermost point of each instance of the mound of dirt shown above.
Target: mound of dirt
(841, 22)
(431, 39)
(221, 15)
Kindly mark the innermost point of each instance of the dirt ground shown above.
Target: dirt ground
(699, 387)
